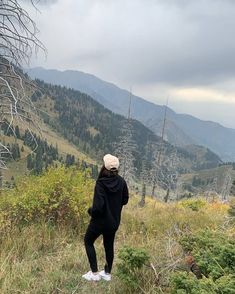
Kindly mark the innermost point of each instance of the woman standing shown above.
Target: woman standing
(110, 194)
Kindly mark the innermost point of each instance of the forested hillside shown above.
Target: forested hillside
(34, 153)
(181, 129)
(96, 130)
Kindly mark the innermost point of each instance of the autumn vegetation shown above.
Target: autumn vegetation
(180, 247)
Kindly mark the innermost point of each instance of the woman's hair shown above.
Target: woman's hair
(107, 173)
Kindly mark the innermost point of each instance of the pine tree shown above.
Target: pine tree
(17, 132)
(68, 160)
(30, 163)
(94, 171)
(38, 161)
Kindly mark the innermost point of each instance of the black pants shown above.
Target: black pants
(91, 235)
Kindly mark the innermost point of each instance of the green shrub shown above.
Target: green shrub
(194, 204)
(214, 253)
(60, 196)
(187, 283)
(130, 264)
(226, 284)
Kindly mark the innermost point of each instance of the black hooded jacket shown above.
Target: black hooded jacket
(110, 194)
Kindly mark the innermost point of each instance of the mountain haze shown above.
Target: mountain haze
(96, 130)
(181, 129)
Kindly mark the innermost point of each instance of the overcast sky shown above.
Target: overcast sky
(181, 49)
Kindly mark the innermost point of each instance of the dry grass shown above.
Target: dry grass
(42, 259)
(16, 168)
(218, 172)
(64, 146)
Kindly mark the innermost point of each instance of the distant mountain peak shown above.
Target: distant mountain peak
(186, 128)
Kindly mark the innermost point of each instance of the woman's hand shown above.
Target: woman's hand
(89, 211)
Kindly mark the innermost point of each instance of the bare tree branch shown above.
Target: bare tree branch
(18, 42)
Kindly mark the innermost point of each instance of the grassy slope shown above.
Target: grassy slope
(64, 146)
(218, 172)
(15, 168)
(40, 259)
(18, 168)
(46, 104)
(87, 112)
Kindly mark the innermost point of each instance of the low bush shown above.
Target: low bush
(186, 283)
(60, 196)
(130, 264)
(194, 204)
(214, 253)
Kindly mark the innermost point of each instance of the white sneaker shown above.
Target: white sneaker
(105, 276)
(90, 276)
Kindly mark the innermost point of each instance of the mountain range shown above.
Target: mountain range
(96, 130)
(181, 129)
(78, 129)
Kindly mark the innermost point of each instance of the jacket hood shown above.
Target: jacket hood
(113, 184)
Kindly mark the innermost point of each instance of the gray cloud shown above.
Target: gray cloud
(187, 44)
(176, 43)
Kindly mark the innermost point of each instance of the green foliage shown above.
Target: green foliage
(226, 284)
(187, 283)
(70, 160)
(43, 154)
(59, 196)
(215, 256)
(194, 204)
(131, 262)
(197, 182)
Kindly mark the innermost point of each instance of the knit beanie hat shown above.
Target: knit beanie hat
(111, 162)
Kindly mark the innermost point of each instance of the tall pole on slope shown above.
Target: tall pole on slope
(160, 149)
(128, 130)
(129, 108)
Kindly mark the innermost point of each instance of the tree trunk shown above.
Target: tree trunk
(166, 198)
